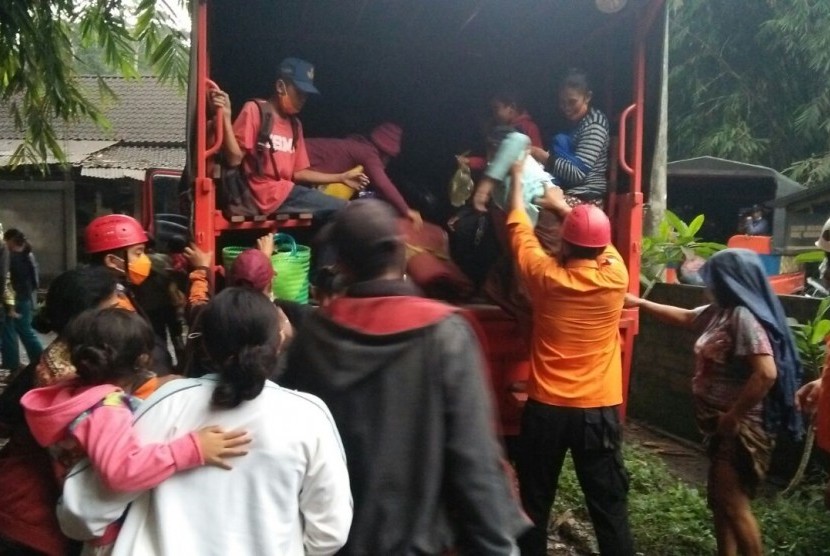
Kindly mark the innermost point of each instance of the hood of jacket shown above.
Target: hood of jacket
(50, 410)
(372, 327)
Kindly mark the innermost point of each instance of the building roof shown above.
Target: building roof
(75, 151)
(707, 167)
(147, 130)
(131, 161)
(144, 110)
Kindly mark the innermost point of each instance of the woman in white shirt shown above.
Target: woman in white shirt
(289, 495)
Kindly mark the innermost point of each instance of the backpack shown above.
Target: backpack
(234, 195)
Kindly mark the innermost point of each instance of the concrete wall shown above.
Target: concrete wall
(661, 374)
(45, 212)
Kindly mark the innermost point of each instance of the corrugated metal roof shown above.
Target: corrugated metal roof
(76, 151)
(133, 157)
(113, 173)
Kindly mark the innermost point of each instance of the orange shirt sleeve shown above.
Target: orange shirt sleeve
(199, 288)
(535, 266)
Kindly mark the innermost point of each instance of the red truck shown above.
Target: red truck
(424, 64)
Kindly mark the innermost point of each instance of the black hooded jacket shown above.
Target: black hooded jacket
(405, 381)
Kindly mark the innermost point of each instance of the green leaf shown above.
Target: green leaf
(677, 223)
(820, 332)
(696, 224)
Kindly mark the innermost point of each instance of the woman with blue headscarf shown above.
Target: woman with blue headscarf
(746, 374)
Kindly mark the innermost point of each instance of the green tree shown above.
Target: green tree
(39, 65)
(749, 81)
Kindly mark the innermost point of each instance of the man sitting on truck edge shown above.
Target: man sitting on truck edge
(274, 188)
(404, 378)
(575, 386)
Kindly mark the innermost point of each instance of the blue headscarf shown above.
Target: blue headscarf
(736, 278)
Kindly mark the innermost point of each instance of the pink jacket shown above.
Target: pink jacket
(75, 420)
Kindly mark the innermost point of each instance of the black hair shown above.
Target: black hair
(576, 78)
(580, 252)
(107, 345)
(509, 97)
(497, 134)
(374, 260)
(18, 238)
(240, 333)
(326, 280)
(71, 293)
(15, 236)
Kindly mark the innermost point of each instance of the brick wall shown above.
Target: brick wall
(660, 392)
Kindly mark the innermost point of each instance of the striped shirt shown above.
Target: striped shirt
(591, 140)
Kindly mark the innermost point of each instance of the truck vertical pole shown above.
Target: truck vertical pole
(204, 204)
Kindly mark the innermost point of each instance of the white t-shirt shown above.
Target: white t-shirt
(289, 495)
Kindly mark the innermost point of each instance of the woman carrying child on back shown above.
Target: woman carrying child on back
(91, 415)
(289, 496)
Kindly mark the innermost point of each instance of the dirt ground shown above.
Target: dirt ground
(569, 536)
(684, 459)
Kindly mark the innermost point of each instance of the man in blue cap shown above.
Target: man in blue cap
(272, 172)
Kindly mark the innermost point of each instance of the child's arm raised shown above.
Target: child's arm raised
(124, 465)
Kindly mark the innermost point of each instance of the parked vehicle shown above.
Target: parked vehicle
(424, 64)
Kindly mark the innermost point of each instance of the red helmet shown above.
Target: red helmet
(587, 226)
(114, 231)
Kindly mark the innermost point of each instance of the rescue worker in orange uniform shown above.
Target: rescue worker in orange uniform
(118, 242)
(575, 387)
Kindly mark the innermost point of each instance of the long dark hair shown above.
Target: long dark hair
(240, 333)
(71, 293)
(109, 345)
(576, 78)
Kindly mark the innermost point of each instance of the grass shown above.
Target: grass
(670, 517)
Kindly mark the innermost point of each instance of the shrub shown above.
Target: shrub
(668, 516)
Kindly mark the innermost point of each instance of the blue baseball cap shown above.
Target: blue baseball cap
(301, 73)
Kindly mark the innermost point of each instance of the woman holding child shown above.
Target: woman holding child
(289, 495)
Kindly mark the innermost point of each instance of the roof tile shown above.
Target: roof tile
(144, 111)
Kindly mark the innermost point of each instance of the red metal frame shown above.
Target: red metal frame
(625, 209)
(208, 222)
(204, 199)
(147, 196)
(629, 206)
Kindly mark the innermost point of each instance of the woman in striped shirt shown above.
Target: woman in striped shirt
(578, 160)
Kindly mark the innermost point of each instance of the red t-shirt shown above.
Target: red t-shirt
(272, 187)
(525, 124)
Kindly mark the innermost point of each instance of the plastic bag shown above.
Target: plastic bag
(461, 185)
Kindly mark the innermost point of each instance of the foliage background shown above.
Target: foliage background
(750, 81)
(45, 46)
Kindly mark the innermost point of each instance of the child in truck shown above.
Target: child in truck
(275, 186)
(508, 112)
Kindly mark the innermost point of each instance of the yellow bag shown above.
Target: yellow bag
(340, 190)
(461, 186)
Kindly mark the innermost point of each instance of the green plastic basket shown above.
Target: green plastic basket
(229, 255)
(291, 263)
